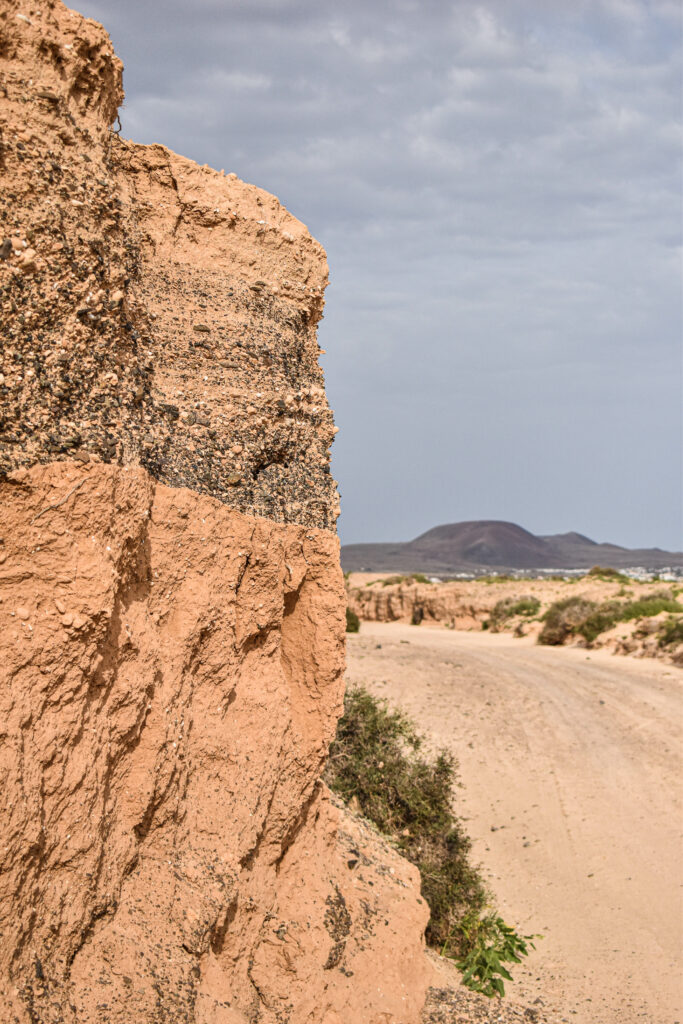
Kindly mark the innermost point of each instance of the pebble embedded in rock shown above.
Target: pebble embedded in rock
(22, 613)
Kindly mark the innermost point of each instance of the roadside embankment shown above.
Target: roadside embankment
(619, 614)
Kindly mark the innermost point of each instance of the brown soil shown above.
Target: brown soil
(570, 762)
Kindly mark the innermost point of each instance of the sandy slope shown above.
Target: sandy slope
(571, 772)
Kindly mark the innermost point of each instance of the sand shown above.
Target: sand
(570, 763)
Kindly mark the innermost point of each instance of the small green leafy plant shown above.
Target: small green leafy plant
(491, 944)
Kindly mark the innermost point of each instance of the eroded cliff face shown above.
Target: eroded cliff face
(172, 602)
(157, 313)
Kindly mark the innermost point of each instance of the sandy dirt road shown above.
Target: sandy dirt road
(571, 767)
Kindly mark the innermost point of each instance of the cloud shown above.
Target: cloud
(497, 186)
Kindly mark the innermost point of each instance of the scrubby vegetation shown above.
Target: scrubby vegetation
(603, 572)
(577, 616)
(352, 621)
(599, 621)
(377, 760)
(653, 604)
(564, 618)
(671, 632)
(391, 581)
(507, 607)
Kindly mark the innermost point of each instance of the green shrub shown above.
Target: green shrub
(526, 606)
(352, 621)
(392, 581)
(671, 632)
(563, 619)
(578, 616)
(648, 607)
(376, 758)
(603, 572)
(509, 606)
(602, 619)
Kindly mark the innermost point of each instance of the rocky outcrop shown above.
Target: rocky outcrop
(156, 313)
(459, 605)
(171, 597)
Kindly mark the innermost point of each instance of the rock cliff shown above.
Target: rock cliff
(171, 598)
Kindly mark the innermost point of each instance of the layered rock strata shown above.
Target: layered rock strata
(156, 313)
(171, 597)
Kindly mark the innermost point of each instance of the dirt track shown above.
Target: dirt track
(570, 762)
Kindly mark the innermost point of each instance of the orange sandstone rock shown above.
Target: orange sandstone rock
(171, 599)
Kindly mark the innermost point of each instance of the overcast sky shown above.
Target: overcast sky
(497, 186)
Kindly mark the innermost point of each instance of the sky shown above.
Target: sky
(497, 186)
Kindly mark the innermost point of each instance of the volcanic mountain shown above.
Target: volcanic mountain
(481, 545)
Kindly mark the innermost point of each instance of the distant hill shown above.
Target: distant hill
(491, 544)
